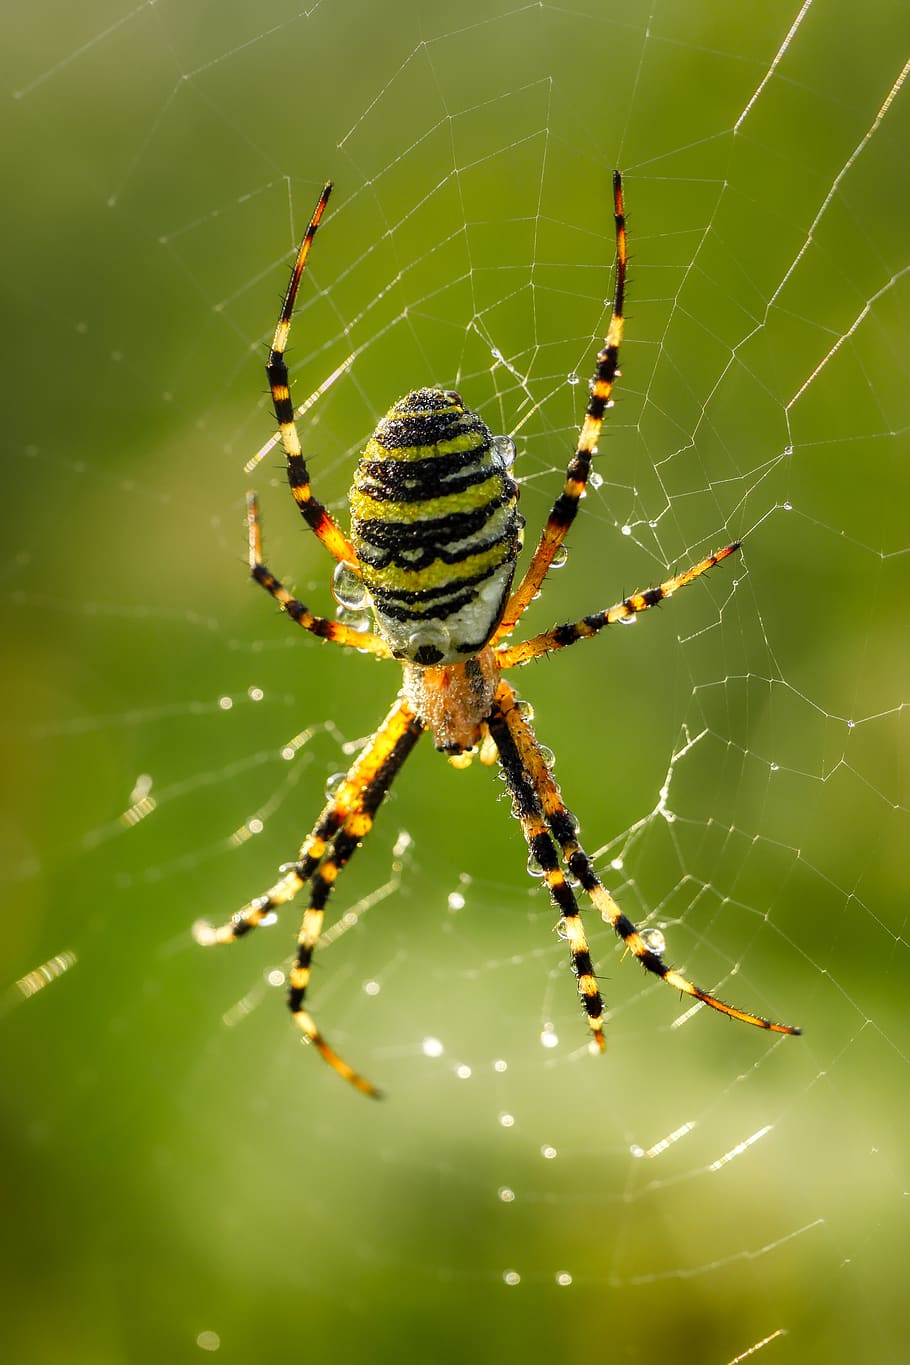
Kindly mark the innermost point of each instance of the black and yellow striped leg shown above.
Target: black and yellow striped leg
(507, 656)
(566, 505)
(527, 806)
(363, 788)
(343, 824)
(323, 626)
(563, 827)
(362, 793)
(293, 877)
(314, 514)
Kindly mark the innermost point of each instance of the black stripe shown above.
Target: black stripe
(284, 410)
(543, 852)
(428, 429)
(439, 612)
(382, 559)
(426, 530)
(417, 480)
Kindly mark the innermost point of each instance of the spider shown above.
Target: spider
(435, 533)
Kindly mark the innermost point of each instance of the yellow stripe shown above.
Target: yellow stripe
(364, 508)
(435, 575)
(458, 445)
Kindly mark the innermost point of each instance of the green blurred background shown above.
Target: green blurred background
(182, 1177)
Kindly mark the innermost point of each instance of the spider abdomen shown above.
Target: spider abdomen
(435, 526)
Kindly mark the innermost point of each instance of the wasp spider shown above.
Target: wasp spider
(435, 533)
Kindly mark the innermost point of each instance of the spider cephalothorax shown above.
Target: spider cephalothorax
(435, 533)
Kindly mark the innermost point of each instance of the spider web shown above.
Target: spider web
(738, 762)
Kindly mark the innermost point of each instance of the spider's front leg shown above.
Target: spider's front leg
(323, 626)
(566, 505)
(342, 826)
(319, 520)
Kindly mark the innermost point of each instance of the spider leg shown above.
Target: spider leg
(520, 739)
(314, 514)
(338, 833)
(527, 806)
(566, 505)
(324, 627)
(507, 656)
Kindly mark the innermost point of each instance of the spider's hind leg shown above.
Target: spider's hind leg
(526, 798)
(514, 736)
(336, 836)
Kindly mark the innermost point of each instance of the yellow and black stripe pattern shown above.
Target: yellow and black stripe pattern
(507, 656)
(543, 814)
(518, 755)
(435, 532)
(435, 528)
(579, 467)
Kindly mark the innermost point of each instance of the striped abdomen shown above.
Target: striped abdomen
(435, 526)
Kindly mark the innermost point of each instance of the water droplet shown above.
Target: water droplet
(851, 724)
(496, 353)
(503, 451)
(655, 940)
(332, 784)
(348, 588)
(572, 379)
(788, 506)
(500, 1064)
(626, 530)
(628, 620)
(507, 1120)
(548, 1038)
(595, 479)
(432, 1047)
(534, 867)
(560, 557)
(429, 644)
(547, 755)
(255, 693)
(456, 901)
(774, 767)
(463, 1072)
(371, 988)
(356, 620)
(563, 1277)
(511, 1277)
(505, 1195)
(525, 709)
(548, 1153)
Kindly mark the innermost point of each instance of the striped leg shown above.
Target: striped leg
(341, 827)
(508, 656)
(562, 825)
(312, 511)
(324, 627)
(402, 732)
(527, 805)
(566, 505)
